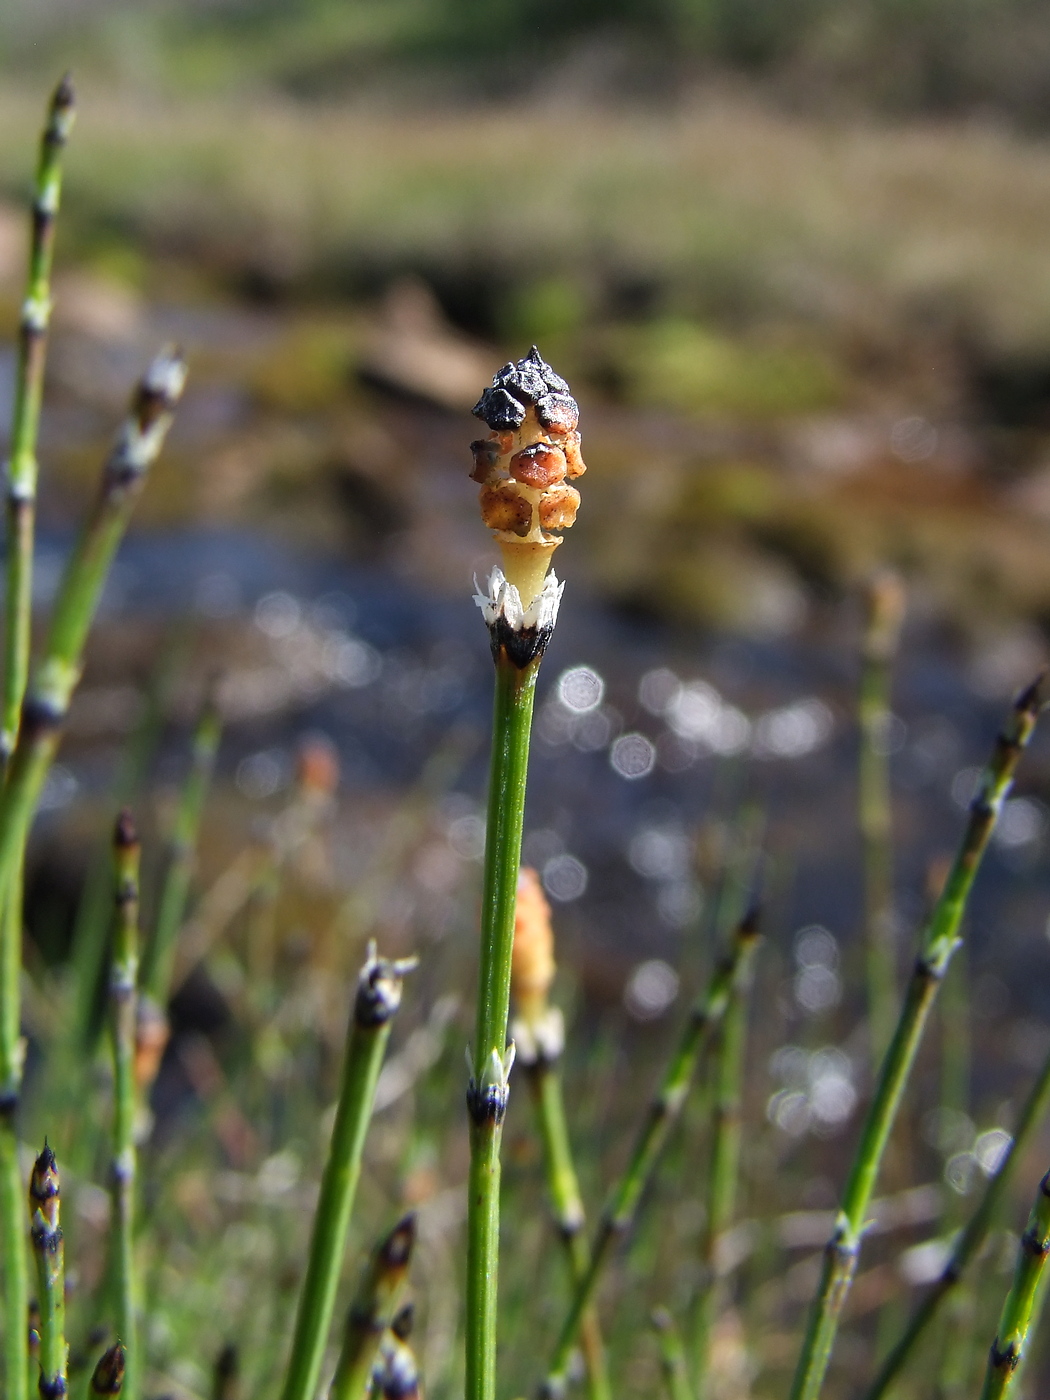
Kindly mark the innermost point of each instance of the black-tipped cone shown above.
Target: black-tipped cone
(108, 1376)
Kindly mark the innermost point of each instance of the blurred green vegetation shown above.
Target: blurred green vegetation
(905, 55)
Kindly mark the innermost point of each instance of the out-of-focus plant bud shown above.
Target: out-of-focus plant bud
(532, 965)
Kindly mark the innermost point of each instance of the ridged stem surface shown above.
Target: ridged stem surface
(45, 1232)
(487, 1095)
(378, 995)
(1008, 1349)
(18, 616)
(567, 1207)
(939, 941)
(970, 1239)
(663, 1113)
(51, 689)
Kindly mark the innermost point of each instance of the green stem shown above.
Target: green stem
(50, 692)
(672, 1356)
(160, 957)
(725, 1162)
(970, 1239)
(95, 907)
(487, 1094)
(14, 1261)
(567, 1207)
(46, 1235)
(378, 997)
(372, 1312)
(123, 986)
(664, 1112)
(18, 614)
(1008, 1349)
(29, 389)
(938, 943)
(885, 607)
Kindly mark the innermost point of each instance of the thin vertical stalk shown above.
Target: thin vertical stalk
(50, 691)
(45, 1232)
(377, 999)
(488, 1091)
(970, 1239)
(1009, 1348)
(94, 909)
(724, 1170)
(567, 1207)
(18, 613)
(672, 1356)
(665, 1110)
(123, 987)
(160, 956)
(938, 942)
(885, 609)
(29, 389)
(372, 1312)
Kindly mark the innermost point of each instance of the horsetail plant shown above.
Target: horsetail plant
(123, 997)
(25, 421)
(938, 942)
(1008, 1350)
(970, 1239)
(538, 1031)
(376, 1002)
(724, 1162)
(372, 1312)
(532, 447)
(21, 522)
(51, 690)
(704, 1019)
(45, 1231)
(884, 606)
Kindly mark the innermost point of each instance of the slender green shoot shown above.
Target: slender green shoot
(672, 1356)
(372, 1312)
(1008, 1349)
(885, 613)
(970, 1239)
(50, 691)
(18, 617)
(375, 1004)
(488, 1090)
(160, 957)
(29, 390)
(566, 1201)
(724, 1170)
(107, 1379)
(122, 990)
(665, 1110)
(95, 907)
(45, 1232)
(938, 942)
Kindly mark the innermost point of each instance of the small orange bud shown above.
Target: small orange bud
(151, 1040)
(532, 963)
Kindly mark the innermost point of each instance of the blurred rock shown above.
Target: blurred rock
(413, 350)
